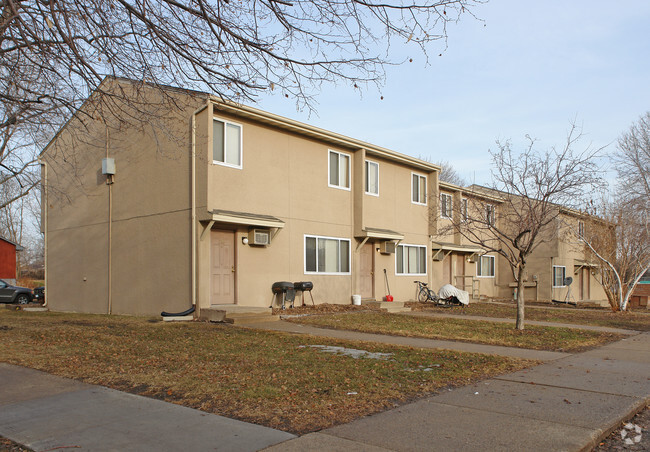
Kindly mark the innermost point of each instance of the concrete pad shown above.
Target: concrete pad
(640, 342)
(538, 402)
(318, 442)
(101, 418)
(427, 425)
(21, 384)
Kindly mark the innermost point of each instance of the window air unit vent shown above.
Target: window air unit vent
(260, 237)
(438, 255)
(387, 247)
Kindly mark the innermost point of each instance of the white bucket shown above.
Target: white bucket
(356, 300)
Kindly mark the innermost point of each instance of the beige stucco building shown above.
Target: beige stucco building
(210, 203)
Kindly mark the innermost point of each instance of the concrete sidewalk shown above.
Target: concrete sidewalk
(566, 404)
(45, 412)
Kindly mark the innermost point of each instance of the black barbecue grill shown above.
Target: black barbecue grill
(302, 287)
(286, 289)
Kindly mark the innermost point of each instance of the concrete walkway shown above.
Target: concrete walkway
(566, 404)
(45, 412)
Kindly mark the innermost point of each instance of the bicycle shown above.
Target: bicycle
(424, 295)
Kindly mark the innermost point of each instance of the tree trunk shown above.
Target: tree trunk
(520, 298)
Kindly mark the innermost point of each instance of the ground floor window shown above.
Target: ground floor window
(411, 260)
(327, 255)
(559, 274)
(485, 267)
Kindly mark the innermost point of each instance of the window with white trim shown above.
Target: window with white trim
(226, 143)
(418, 189)
(411, 260)
(339, 170)
(581, 229)
(463, 210)
(490, 215)
(328, 255)
(559, 275)
(372, 178)
(485, 267)
(445, 205)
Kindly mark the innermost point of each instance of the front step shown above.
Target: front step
(389, 306)
(238, 314)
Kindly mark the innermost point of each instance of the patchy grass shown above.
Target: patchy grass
(639, 321)
(269, 378)
(482, 332)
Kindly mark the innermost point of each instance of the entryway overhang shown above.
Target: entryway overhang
(382, 234)
(579, 264)
(467, 249)
(241, 218)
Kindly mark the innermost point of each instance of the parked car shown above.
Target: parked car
(39, 294)
(14, 294)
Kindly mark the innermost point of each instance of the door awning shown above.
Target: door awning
(468, 249)
(245, 218)
(385, 234)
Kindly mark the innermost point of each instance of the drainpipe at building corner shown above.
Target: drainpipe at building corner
(109, 181)
(44, 210)
(193, 213)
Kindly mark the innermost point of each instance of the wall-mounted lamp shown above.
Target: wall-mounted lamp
(244, 240)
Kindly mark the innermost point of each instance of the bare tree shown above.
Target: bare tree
(54, 54)
(449, 174)
(625, 254)
(533, 187)
(632, 163)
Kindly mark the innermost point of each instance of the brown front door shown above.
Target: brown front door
(367, 264)
(446, 270)
(222, 267)
(459, 279)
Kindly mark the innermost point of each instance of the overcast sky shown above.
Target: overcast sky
(530, 67)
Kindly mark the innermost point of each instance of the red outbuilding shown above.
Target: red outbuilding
(8, 259)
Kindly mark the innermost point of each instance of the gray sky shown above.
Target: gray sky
(530, 67)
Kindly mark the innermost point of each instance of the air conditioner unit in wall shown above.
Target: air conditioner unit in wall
(387, 247)
(259, 237)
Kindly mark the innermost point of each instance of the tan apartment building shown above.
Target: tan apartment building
(560, 268)
(208, 204)
(227, 201)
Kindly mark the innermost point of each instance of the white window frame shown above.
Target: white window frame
(369, 163)
(563, 277)
(349, 160)
(446, 213)
(407, 245)
(464, 216)
(421, 179)
(225, 122)
(479, 266)
(490, 221)
(581, 229)
(319, 237)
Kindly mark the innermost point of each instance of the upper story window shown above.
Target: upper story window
(339, 170)
(226, 143)
(327, 255)
(490, 215)
(411, 260)
(559, 275)
(463, 210)
(372, 178)
(445, 205)
(485, 267)
(581, 229)
(418, 189)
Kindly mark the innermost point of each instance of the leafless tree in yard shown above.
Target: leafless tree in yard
(624, 254)
(532, 188)
(449, 174)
